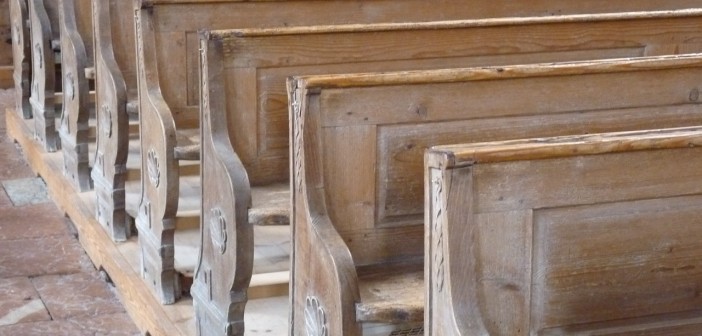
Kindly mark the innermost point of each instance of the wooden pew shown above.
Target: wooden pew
(172, 89)
(77, 61)
(21, 56)
(357, 158)
(45, 98)
(249, 66)
(596, 234)
(117, 115)
(168, 66)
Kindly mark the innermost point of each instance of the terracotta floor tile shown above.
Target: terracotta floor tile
(4, 200)
(20, 302)
(112, 325)
(41, 256)
(31, 221)
(12, 164)
(26, 191)
(80, 294)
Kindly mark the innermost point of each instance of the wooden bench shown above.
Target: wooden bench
(595, 234)
(117, 115)
(112, 151)
(358, 144)
(77, 70)
(21, 56)
(250, 66)
(45, 98)
(173, 88)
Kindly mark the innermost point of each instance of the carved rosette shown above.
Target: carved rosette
(152, 167)
(315, 318)
(106, 120)
(16, 34)
(438, 233)
(39, 56)
(298, 124)
(69, 89)
(218, 230)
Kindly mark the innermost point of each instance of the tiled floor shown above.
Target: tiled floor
(48, 286)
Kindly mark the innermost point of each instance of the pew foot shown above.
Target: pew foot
(157, 264)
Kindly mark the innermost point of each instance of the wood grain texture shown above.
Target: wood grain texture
(46, 79)
(115, 79)
(21, 56)
(619, 258)
(360, 147)
(75, 22)
(273, 54)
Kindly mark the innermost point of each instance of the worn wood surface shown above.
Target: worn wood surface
(602, 238)
(75, 22)
(358, 143)
(115, 87)
(46, 78)
(21, 56)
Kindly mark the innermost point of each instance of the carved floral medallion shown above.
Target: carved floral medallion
(218, 230)
(152, 167)
(315, 318)
(106, 120)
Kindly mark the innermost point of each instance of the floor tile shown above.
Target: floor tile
(4, 199)
(13, 165)
(26, 191)
(80, 294)
(31, 221)
(112, 325)
(20, 302)
(41, 256)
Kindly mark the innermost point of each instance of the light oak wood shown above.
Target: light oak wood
(46, 78)
(358, 143)
(75, 22)
(21, 56)
(116, 110)
(603, 238)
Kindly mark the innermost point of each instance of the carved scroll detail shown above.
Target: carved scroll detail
(298, 124)
(438, 228)
(218, 230)
(106, 120)
(315, 318)
(152, 166)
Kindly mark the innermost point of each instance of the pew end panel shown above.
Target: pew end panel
(158, 204)
(324, 286)
(44, 31)
(371, 131)
(109, 171)
(225, 263)
(529, 237)
(21, 55)
(76, 56)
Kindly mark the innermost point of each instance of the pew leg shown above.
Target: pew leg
(157, 260)
(76, 166)
(45, 130)
(110, 207)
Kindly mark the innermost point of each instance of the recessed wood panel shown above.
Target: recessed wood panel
(615, 261)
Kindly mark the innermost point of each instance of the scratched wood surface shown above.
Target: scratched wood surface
(594, 234)
(358, 143)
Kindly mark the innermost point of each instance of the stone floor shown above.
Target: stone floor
(48, 286)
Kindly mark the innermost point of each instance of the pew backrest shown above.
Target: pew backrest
(358, 142)
(255, 62)
(567, 235)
